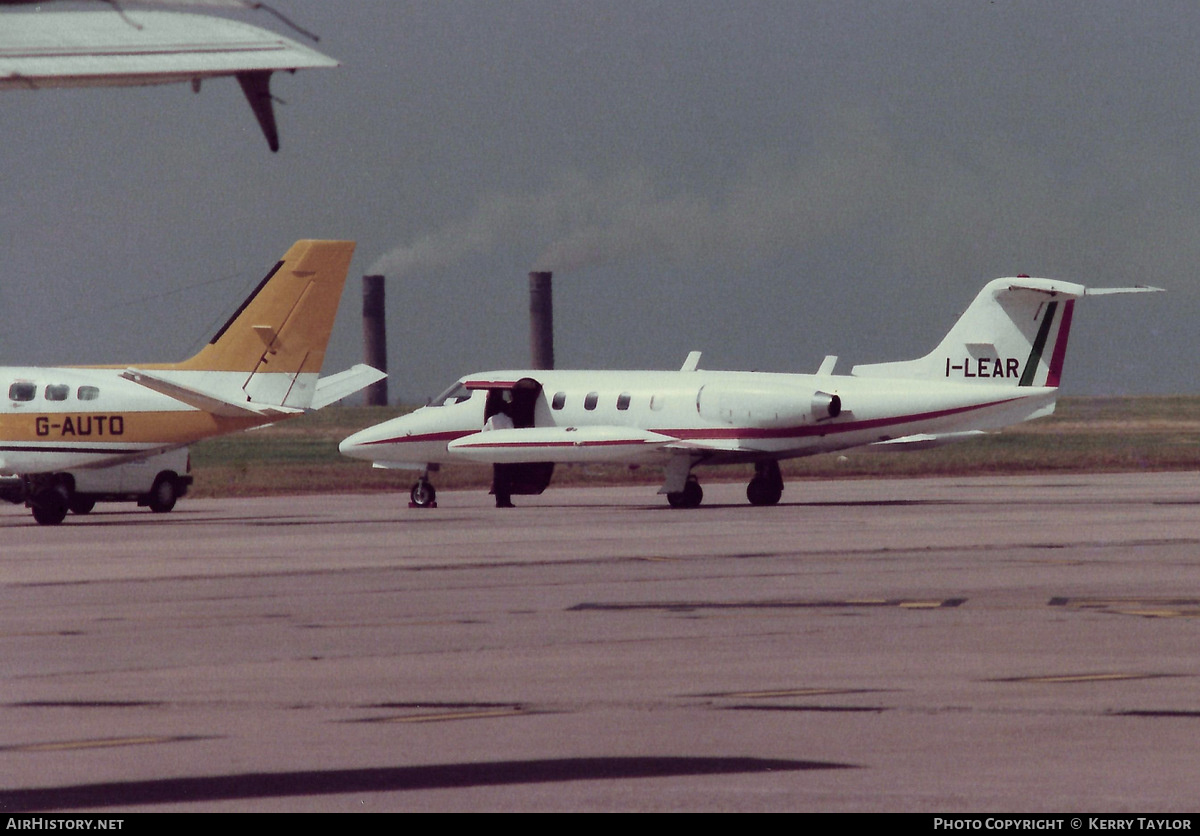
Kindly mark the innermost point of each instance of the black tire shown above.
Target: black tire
(49, 505)
(423, 493)
(763, 491)
(690, 497)
(163, 495)
(81, 504)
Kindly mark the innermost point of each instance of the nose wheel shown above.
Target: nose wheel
(422, 495)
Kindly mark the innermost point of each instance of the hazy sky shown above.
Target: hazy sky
(768, 182)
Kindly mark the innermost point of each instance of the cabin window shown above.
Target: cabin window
(623, 401)
(657, 402)
(22, 390)
(591, 400)
(560, 400)
(87, 393)
(57, 392)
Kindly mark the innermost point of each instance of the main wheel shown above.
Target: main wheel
(49, 505)
(762, 491)
(690, 497)
(163, 495)
(423, 493)
(81, 504)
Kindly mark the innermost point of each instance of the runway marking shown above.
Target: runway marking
(790, 692)
(100, 743)
(1144, 607)
(1157, 713)
(1081, 677)
(850, 709)
(445, 717)
(688, 606)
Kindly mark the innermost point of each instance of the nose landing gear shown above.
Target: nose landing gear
(423, 494)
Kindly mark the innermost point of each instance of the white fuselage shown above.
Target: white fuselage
(55, 419)
(650, 416)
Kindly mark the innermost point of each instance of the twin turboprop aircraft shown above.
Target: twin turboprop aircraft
(262, 366)
(1000, 364)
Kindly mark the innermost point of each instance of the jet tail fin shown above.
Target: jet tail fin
(1013, 334)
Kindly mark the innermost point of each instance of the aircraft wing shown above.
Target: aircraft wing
(709, 445)
(106, 49)
(560, 444)
(924, 441)
(205, 400)
(345, 383)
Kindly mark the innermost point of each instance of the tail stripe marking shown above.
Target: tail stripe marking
(1060, 345)
(1039, 344)
(246, 303)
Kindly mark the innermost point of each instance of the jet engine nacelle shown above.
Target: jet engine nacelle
(764, 405)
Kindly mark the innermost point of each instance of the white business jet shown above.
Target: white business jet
(1000, 364)
(262, 366)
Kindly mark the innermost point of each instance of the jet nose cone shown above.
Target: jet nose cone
(352, 446)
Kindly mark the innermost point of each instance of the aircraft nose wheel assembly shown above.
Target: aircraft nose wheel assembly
(422, 495)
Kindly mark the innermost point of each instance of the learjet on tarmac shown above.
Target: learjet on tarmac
(1000, 364)
(262, 366)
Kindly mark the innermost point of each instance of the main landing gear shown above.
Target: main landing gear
(767, 485)
(690, 497)
(49, 502)
(423, 495)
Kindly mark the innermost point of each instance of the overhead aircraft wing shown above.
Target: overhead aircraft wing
(345, 383)
(205, 400)
(105, 49)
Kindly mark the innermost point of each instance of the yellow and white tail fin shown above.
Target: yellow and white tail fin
(267, 358)
(1013, 334)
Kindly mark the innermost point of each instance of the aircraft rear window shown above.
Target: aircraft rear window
(22, 390)
(57, 392)
(590, 401)
(560, 400)
(87, 393)
(623, 401)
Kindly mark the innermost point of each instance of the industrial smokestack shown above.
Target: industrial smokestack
(541, 321)
(375, 338)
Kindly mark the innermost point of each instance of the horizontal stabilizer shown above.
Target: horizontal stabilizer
(207, 401)
(1108, 291)
(559, 444)
(345, 383)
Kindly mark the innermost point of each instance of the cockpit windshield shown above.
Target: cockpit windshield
(455, 394)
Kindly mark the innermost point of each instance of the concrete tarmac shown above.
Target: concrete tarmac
(940, 645)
